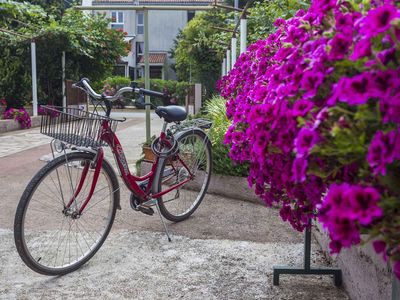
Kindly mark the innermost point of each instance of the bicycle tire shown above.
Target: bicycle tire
(191, 193)
(30, 235)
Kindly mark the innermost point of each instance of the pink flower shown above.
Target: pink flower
(306, 139)
(340, 44)
(378, 20)
(310, 83)
(355, 90)
(381, 151)
(361, 49)
(363, 203)
(380, 247)
(302, 107)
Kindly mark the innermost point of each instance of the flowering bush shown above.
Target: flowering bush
(316, 111)
(20, 115)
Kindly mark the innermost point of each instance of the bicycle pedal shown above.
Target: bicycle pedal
(146, 210)
(138, 207)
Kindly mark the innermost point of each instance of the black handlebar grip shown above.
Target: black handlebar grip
(153, 93)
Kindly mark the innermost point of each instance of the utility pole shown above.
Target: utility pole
(34, 83)
(147, 70)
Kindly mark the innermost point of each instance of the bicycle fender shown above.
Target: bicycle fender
(178, 134)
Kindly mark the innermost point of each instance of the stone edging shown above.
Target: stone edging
(11, 125)
(228, 186)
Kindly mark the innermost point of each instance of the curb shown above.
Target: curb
(12, 125)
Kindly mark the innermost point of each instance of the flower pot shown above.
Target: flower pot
(148, 153)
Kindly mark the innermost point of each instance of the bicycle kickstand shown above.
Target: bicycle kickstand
(163, 222)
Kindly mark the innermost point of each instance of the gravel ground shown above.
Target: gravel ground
(143, 265)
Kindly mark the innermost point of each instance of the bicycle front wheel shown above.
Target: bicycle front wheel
(193, 163)
(51, 238)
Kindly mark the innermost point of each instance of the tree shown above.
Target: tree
(264, 13)
(91, 49)
(198, 51)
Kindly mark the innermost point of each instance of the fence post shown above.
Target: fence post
(243, 34)
(228, 60)
(223, 72)
(234, 49)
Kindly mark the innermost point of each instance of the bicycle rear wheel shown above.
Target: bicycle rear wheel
(194, 155)
(53, 240)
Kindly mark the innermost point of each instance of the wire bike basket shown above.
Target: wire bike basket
(74, 126)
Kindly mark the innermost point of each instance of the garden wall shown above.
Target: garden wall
(10, 125)
(365, 274)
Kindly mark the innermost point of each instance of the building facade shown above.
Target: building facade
(164, 25)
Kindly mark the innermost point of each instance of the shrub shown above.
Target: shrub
(315, 108)
(215, 110)
(20, 115)
(178, 90)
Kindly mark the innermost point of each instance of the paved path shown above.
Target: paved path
(226, 250)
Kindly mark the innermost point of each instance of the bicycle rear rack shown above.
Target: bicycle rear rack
(199, 122)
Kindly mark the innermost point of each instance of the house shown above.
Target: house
(164, 25)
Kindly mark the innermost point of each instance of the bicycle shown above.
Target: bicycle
(67, 210)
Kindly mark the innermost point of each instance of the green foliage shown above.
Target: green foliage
(117, 82)
(198, 51)
(177, 89)
(264, 13)
(215, 110)
(91, 50)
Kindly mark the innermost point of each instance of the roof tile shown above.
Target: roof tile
(155, 58)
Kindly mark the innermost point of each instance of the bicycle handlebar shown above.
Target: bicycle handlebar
(84, 85)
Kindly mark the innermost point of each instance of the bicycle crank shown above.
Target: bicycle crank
(134, 201)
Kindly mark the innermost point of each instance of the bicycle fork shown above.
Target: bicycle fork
(98, 161)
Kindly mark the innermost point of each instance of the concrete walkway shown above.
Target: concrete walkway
(226, 250)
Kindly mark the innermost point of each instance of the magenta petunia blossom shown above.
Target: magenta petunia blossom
(361, 49)
(380, 247)
(355, 90)
(363, 203)
(378, 20)
(299, 169)
(302, 107)
(340, 44)
(381, 151)
(305, 140)
(387, 55)
(311, 82)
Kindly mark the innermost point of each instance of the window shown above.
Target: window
(190, 15)
(117, 20)
(139, 51)
(119, 70)
(155, 72)
(140, 23)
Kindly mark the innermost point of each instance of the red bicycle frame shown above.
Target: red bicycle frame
(131, 181)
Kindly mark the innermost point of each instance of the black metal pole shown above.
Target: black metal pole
(307, 270)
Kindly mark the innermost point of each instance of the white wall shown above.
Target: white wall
(163, 28)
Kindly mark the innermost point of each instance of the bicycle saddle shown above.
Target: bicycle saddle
(172, 113)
